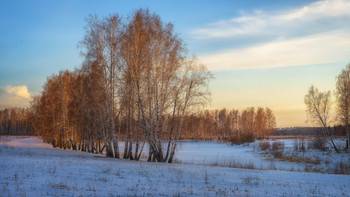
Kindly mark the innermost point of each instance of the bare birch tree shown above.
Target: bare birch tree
(270, 121)
(165, 80)
(191, 90)
(318, 105)
(342, 94)
(102, 46)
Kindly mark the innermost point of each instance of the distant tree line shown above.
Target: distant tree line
(227, 124)
(136, 82)
(336, 130)
(15, 121)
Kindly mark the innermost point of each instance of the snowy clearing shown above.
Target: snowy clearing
(32, 168)
(211, 152)
(225, 154)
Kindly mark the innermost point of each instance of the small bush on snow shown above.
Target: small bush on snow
(318, 143)
(264, 145)
(277, 149)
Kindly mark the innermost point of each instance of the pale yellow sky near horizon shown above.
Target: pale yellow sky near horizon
(282, 89)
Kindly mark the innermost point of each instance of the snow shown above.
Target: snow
(211, 152)
(32, 168)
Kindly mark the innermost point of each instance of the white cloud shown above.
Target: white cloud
(317, 17)
(21, 91)
(315, 49)
(317, 33)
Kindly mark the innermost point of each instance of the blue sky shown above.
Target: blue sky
(262, 53)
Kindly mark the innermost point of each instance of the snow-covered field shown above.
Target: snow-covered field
(31, 168)
(209, 153)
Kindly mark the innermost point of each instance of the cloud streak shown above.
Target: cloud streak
(317, 33)
(316, 49)
(314, 18)
(21, 91)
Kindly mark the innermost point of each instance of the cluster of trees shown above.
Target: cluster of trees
(224, 124)
(14, 121)
(137, 82)
(336, 130)
(319, 105)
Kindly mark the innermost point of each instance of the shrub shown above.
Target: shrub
(277, 149)
(318, 143)
(231, 163)
(250, 180)
(264, 145)
(242, 138)
(342, 167)
(299, 145)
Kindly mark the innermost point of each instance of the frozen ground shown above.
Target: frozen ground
(31, 168)
(209, 153)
